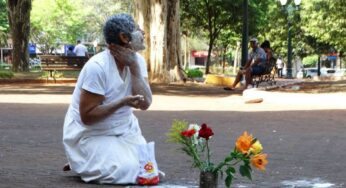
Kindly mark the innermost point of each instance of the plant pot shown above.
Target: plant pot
(208, 180)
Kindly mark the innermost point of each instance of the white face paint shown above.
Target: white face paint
(137, 42)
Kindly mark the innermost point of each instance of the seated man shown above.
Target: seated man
(255, 65)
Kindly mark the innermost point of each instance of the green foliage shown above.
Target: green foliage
(194, 73)
(97, 11)
(4, 25)
(310, 61)
(325, 20)
(5, 66)
(220, 21)
(209, 19)
(177, 127)
(56, 21)
(6, 74)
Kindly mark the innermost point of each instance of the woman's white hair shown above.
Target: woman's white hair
(118, 23)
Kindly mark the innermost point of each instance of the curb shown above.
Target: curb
(36, 81)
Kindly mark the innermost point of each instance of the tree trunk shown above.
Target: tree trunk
(160, 21)
(211, 43)
(237, 60)
(224, 59)
(19, 19)
(174, 40)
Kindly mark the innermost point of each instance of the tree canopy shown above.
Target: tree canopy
(318, 25)
(56, 21)
(325, 21)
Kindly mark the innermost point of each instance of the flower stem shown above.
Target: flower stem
(208, 154)
(239, 160)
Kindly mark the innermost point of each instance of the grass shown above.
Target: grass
(5, 74)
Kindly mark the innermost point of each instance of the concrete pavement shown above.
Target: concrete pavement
(303, 134)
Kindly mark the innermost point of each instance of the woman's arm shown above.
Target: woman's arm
(92, 109)
(140, 86)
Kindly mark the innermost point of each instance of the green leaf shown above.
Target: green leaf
(228, 180)
(230, 170)
(228, 159)
(245, 171)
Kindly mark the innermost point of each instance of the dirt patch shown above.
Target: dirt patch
(314, 87)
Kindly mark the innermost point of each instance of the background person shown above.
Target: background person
(70, 51)
(269, 53)
(279, 66)
(101, 133)
(256, 65)
(80, 49)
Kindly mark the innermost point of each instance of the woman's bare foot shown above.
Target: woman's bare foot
(66, 167)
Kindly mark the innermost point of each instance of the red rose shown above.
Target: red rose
(205, 132)
(188, 133)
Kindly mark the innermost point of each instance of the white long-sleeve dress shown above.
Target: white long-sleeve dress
(105, 152)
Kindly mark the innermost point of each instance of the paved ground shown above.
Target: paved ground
(304, 134)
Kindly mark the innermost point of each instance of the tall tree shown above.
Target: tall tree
(211, 16)
(19, 19)
(161, 23)
(217, 17)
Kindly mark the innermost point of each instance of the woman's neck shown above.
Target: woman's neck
(120, 66)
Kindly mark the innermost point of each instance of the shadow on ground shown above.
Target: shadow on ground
(189, 89)
(314, 87)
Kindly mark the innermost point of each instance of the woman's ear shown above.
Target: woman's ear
(124, 38)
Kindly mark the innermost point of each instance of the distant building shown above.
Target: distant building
(199, 58)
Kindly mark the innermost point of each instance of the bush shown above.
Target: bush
(6, 74)
(310, 61)
(194, 73)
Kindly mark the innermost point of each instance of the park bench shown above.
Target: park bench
(268, 76)
(53, 63)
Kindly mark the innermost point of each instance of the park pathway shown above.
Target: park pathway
(304, 134)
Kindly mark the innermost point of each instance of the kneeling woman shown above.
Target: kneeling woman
(101, 133)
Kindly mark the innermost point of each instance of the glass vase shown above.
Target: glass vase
(208, 180)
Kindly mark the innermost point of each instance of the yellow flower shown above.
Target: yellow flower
(256, 148)
(243, 143)
(259, 161)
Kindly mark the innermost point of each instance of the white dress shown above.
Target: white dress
(105, 152)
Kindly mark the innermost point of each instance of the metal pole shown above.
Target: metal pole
(289, 51)
(2, 59)
(319, 66)
(244, 45)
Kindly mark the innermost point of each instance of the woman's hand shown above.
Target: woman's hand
(123, 55)
(133, 101)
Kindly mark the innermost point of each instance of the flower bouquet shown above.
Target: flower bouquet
(194, 140)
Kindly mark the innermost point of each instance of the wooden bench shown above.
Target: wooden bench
(53, 63)
(268, 76)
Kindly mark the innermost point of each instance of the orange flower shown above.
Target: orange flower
(259, 161)
(244, 143)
